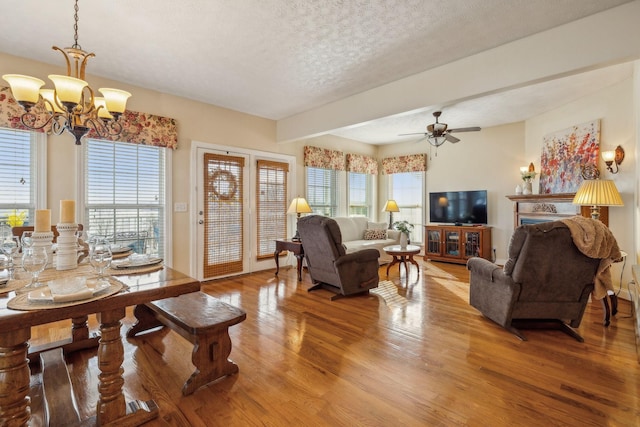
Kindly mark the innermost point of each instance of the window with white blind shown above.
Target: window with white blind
(359, 194)
(124, 194)
(271, 203)
(407, 189)
(322, 191)
(19, 175)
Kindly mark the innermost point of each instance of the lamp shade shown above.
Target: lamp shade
(299, 205)
(115, 99)
(24, 88)
(391, 206)
(598, 192)
(68, 89)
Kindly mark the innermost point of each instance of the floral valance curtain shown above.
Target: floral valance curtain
(359, 163)
(402, 164)
(323, 158)
(138, 128)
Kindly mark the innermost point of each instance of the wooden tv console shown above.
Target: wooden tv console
(457, 243)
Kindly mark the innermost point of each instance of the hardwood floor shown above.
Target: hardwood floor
(421, 357)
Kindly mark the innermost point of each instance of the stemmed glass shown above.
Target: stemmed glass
(34, 261)
(10, 247)
(27, 239)
(100, 255)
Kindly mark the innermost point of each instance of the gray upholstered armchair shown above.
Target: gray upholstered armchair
(545, 282)
(329, 265)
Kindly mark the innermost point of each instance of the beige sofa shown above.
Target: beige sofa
(356, 237)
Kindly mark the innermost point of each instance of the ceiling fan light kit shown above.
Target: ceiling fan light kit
(438, 133)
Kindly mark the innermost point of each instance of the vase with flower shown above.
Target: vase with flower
(405, 228)
(528, 174)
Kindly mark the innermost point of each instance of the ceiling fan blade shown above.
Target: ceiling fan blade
(417, 133)
(470, 129)
(424, 138)
(451, 138)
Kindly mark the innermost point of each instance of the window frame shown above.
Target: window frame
(37, 171)
(417, 234)
(332, 208)
(167, 237)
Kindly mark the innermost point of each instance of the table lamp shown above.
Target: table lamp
(596, 193)
(391, 206)
(298, 206)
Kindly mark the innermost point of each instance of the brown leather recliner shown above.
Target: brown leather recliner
(329, 265)
(546, 281)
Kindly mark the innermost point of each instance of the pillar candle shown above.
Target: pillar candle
(67, 211)
(43, 221)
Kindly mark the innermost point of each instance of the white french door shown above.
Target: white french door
(222, 213)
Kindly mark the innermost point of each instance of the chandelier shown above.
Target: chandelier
(72, 105)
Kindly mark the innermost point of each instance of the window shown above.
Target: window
(20, 174)
(359, 194)
(322, 191)
(271, 202)
(124, 194)
(407, 191)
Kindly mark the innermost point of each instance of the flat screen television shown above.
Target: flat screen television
(458, 207)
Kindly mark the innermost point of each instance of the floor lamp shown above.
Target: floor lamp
(391, 206)
(596, 193)
(298, 206)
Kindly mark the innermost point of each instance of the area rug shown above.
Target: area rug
(389, 293)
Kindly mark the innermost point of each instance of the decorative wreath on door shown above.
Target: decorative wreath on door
(224, 184)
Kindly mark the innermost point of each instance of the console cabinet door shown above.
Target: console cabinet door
(434, 241)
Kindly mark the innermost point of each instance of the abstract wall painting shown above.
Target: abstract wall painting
(564, 153)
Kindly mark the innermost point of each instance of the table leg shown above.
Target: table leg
(16, 376)
(393, 262)
(299, 258)
(414, 262)
(276, 256)
(111, 407)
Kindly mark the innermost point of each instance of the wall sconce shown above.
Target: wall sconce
(613, 156)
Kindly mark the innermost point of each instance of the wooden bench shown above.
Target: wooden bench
(204, 321)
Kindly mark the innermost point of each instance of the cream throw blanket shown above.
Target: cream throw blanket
(595, 240)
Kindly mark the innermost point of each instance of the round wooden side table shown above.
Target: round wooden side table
(402, 256)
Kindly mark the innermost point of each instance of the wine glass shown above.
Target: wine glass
(34, 261)
(100, 255)
(27, 239)
(10, 247)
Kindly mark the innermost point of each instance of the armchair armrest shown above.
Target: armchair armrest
(365, 255)
(491, 291)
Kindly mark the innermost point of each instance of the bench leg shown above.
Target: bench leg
(210, 357)
(145, 320)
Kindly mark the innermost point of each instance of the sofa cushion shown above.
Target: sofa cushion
(375, 234)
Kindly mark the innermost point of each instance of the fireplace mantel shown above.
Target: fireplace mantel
(528, 208)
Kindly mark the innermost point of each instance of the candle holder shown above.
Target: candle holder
(44, 239)
(67, 252)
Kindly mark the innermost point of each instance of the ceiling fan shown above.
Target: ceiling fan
(437, 133)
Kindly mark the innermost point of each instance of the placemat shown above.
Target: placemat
(134, 270)
(21, 301)
(12, 285)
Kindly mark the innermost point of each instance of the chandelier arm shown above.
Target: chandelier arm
(28, 120)
(66, 58)
(83, 66)
(57, 127)
(104, 128)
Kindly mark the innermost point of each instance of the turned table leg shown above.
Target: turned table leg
(14, 377)
(111, 408)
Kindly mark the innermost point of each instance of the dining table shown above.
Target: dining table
(20, 311)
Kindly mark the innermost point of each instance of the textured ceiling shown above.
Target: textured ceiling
(277, 58)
